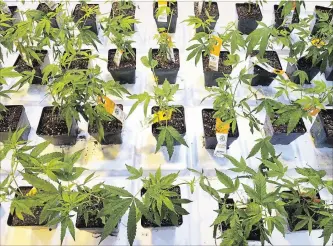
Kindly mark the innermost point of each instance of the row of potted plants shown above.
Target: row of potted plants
(56, 195)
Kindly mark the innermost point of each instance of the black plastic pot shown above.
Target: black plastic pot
(282, 137)
(263, 77)
(23, 122)
(329, 73)
(64, 139)
(169, 74)
(110, 137)
(211, 76)
(316, 28)
(171, 23)
(126, 12)
(279, 19)
(320, 132)
(176, 116)
(125, 75)
(37, 80)
(212, 24)
(35, 226)
(145, 223)
(13, 10)
(210, 140)
(91, 22)
(247, 25)
(304, 65)
(80, 224)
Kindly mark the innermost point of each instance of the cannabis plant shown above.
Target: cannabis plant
(162, 96)
(204, 23)
(165, 46)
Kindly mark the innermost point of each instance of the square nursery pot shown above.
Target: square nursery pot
(145, 223)
(14, 119)
(254, 234)
(112, 131)
(322, 129)
(329, 73)
(167, 70)
(213, 10)
(263, 77)
(21, 66)
(15, 15)
(171, 23)
(125, 73)
(209, 125)
(80, 62)
(29, 222)
(314, 25)
(177, 121)
(211, 75)
(305, 65)
(279, 133)
(46, 9)
(116, 10)
(91, 21)
(53, 128)
(291, 211)
(248, 15)
(279, 19)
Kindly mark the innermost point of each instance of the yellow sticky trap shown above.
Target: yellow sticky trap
(217, 47)
(278, 71)
(318, 42)
(222, 127)
(109, 105)
(162, 115)
(32, 192)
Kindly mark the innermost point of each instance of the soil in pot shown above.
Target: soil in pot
(21, 66)
(170, 24)
(117, 10)
(300, 127)
(209, 124)
(279, 19)
(211, 75)
(46, 9)
(213, 10)
(304, 64)
(29, 220)
(112, 130)
(166, 69)
(166, 222)
(125, 73)
(79, 62)
(78, 13)
(329, 11)
(52, 127)
(327, 116)
(293, 211)
(263, 77)
(248, 15)
(13, 119)
(322, 129)
(177, 121)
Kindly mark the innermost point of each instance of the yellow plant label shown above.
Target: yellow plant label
(163, 17)
(278, 71)
(312, 111)
(222, 127)
(162, 115)
(112, 108)
(32, 192)
(217, 47)
(215, 54)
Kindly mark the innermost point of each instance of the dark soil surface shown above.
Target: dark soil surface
(327, 116)
(300, 128)
(273, 60)
(124, 63)
(44, 8)
(12, 9)
(278, 14)
(10, 118)
(165, 222)
(93, 222)
(248, 11)
(78, 13)
(51, 123)
(211, 7)
(209, 123)
(173, 7)
(222, 68)
(28, 219)
(116, 10)
(177, 120)
(304, 64)
(114, 126)
(167, 64)
(80, 61)
(324, 10)
(21, 65)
